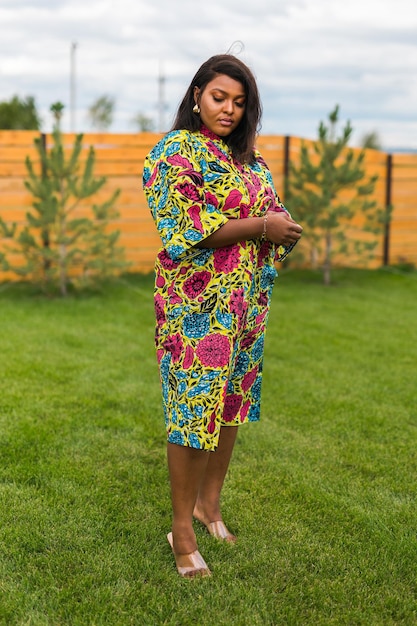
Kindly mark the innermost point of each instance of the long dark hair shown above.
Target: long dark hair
(242, 139)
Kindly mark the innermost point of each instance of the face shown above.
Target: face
(222, 104)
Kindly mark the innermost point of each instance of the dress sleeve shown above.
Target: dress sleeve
(281, 252)
(180, 201)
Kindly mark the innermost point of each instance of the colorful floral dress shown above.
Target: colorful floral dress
(211, 305)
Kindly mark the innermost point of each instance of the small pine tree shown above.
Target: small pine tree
(101, 112)
(371, 141)
(57, 110)
(314, 191)
(143, 123)
(58, 246)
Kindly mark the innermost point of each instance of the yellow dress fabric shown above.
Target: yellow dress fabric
(211, 305)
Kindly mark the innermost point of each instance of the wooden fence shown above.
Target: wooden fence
(120, 157)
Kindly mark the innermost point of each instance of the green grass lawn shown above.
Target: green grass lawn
(321, 493)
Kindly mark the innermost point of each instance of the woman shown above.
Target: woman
(222, 227)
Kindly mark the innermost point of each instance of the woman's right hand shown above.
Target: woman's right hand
(281, 229)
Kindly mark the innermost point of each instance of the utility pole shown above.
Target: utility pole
(161, 100)
(72, 85)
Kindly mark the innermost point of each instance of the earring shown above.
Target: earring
(196, 109)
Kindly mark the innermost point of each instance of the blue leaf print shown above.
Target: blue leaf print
(146, 174)
(173, 148)
(202, 258)
(176, 437)
(258, 349)
(174, 252)
(167, 222)
(192, 235)
(163, 199)
(242, 363)
(210, 375)
(254, 413)
(181, 388)
(210, 177)
(174, 416)
(175, 313)
(186, 413)
(268, 276)
(156, 152)
(201, 389)
(225, 319)
(194, 442)
(196, 325)
(215, 167)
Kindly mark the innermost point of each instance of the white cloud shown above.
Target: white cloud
(308, 55)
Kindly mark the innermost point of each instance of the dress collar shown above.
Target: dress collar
(217, 142)
(209, 134)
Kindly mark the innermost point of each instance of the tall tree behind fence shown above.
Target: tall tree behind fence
(120, 158)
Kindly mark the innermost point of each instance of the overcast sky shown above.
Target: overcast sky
(307, 55)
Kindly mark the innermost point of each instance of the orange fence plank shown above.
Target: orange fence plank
(12, 138)
(120, 156)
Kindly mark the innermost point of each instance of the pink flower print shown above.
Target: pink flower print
(188, 358)
(189, 191)
(180, 161)
(261, 161)
(261, 317)
(250, 338)
(166, 261)
(277, 207)
(173, 297)
(174, 344)
(226, 259)
(151, 179)
(238, 305)
(262, 298)
(231, 407)
(194, 213)
(252, 192)
(233, 200)
(159, 354)
(160, 281)
(270, 195)
(249, 379)
(256, 181)
(196, 283)
(263, 253)
(211, 426)
(244, 210)
(186, 169)
(214, 350)
(237, 302)
(244, 410)
(159, 303)
(211, 199)
(218, 153)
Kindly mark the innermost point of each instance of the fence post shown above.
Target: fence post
(388, 194)
(45, 233)
(43, 144)
(286, 168)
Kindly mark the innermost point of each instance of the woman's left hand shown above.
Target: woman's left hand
(281, 229)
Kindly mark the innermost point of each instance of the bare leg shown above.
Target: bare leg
(187, 467)
(207, 507)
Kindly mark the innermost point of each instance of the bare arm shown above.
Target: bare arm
(281, 229)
